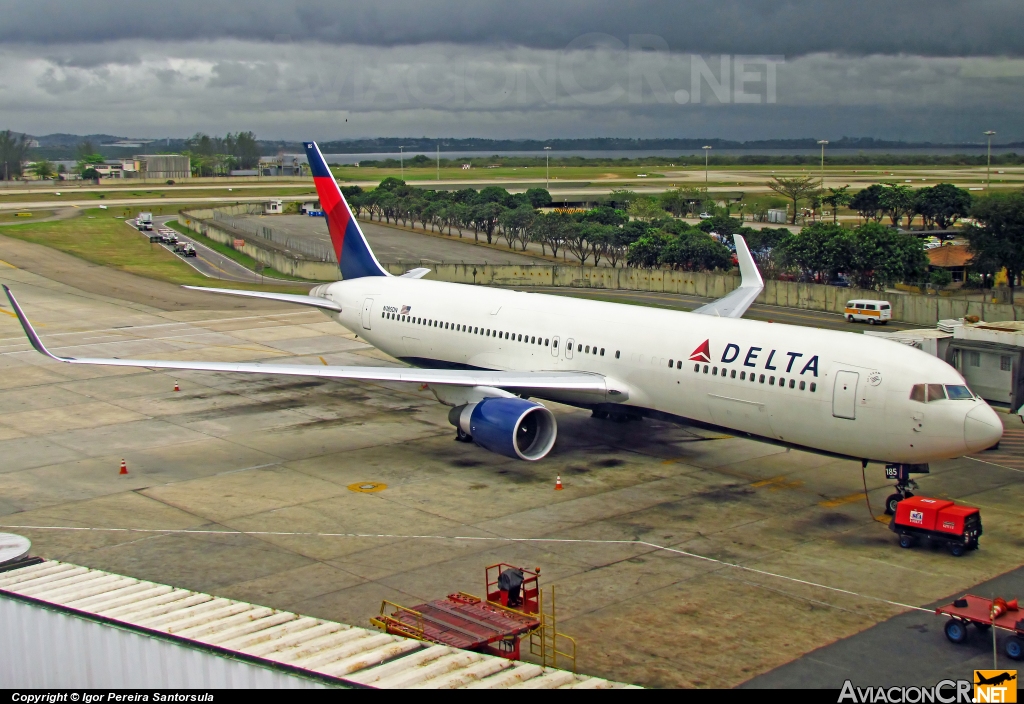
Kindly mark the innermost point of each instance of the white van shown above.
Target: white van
(874, 312)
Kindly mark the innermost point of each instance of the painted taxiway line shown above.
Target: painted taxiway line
(390, 536)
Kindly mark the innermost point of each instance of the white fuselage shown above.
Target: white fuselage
(841, 393)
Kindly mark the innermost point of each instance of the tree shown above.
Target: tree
(606, 215)
(12, 154)
(867, 202)
(90, 174)
(999, 242)
(538, 197)
(645, 253)
(43, 169)
(485, 217)
(246, 149)
(942, 204)
(645, 209)
(621, 199)
(941, 278)
(391, 184)
(897, 200)
(695, 251)
(768, 246)
(837, 197)
(883, 257)
(815, 250)
(796, 189)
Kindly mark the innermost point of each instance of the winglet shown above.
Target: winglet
(29, 330)
(749, 275)
(736, 303)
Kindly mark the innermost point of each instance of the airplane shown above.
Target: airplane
(994, 680)
(493, 355)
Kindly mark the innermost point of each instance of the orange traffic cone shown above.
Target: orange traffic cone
(124, 468)
(176, 386)
(558, 482)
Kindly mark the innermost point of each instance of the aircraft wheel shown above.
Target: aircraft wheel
(1013, 648)
(462, 436)
(890, 504)
(956, 632)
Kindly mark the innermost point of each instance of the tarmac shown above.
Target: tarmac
(680, 557)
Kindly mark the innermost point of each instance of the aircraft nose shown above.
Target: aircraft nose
(982, 428)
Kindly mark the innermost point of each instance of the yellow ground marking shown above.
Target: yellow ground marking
(323, 360)
(7, 264)
(8, 313)
(777, 483)
(367, 487)
(842, 500)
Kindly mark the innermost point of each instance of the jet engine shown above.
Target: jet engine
(512, 427)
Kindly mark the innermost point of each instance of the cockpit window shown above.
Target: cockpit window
(958, 393)
(917, 393)
(935, 392)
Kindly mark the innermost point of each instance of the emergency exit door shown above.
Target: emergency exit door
(844, 395)
(367, 310)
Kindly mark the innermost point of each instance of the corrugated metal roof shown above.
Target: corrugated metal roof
(325, 649)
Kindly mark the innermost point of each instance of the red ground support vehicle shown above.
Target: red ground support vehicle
(939, 521)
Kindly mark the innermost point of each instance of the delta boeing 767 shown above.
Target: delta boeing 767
(490, 354)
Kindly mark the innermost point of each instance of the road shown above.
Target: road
(675, 301)
(209, 262)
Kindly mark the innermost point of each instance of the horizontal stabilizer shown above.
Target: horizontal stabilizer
(314, 301)
(415, 273)
(736, 303)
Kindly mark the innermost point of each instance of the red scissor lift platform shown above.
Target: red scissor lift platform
(468, 622)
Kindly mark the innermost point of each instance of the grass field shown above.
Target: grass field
(98, 238)
(33, 216)
(73, 193)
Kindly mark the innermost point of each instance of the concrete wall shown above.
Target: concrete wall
(906, 307)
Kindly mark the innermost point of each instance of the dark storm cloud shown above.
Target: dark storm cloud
(788, 27)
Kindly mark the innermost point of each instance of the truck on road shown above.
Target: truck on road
(144, 221)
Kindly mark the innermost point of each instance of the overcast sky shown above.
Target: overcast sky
(941, 70)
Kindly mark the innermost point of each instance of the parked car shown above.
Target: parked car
(705, 216)
(840, 282)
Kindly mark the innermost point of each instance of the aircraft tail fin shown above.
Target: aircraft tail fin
(355, 259)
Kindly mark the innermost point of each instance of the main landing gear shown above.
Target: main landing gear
(904, 484)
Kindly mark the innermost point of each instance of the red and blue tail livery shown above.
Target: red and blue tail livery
(350, 247)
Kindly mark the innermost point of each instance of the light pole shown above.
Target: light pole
(821, 186)
(401, 160)
(547, 168)
(706, 150)
(438, 161)
(988, 168)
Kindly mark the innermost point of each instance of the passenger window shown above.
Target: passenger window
(617, 353)
(743, 375)
(602, 351)
(588, 349)
(917, 393)
(724, 371)
(814, 387)
(714, 371)
(860, 306)
(579, 348)
(520, 339)
(696, 367)
(545, 342)
(671, 364)
(771, 381)
(870, 306)
(705, 369)
(803, 385)
(936, 392)
(533, 340)
(762, 378)
(679, 364)
(554, 343)
(595, 350)
(885, 307)
(791, 383)
(732, 374)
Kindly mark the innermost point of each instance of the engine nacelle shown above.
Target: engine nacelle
(512, 427)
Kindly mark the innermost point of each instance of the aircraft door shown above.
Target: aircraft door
(367, 313)
(568, 349)
(844, 395)
(554, 346)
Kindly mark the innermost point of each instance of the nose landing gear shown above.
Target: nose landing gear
(904, 484)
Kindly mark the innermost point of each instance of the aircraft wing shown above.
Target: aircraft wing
(736, 303)
(314, 301)
(570, 381)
